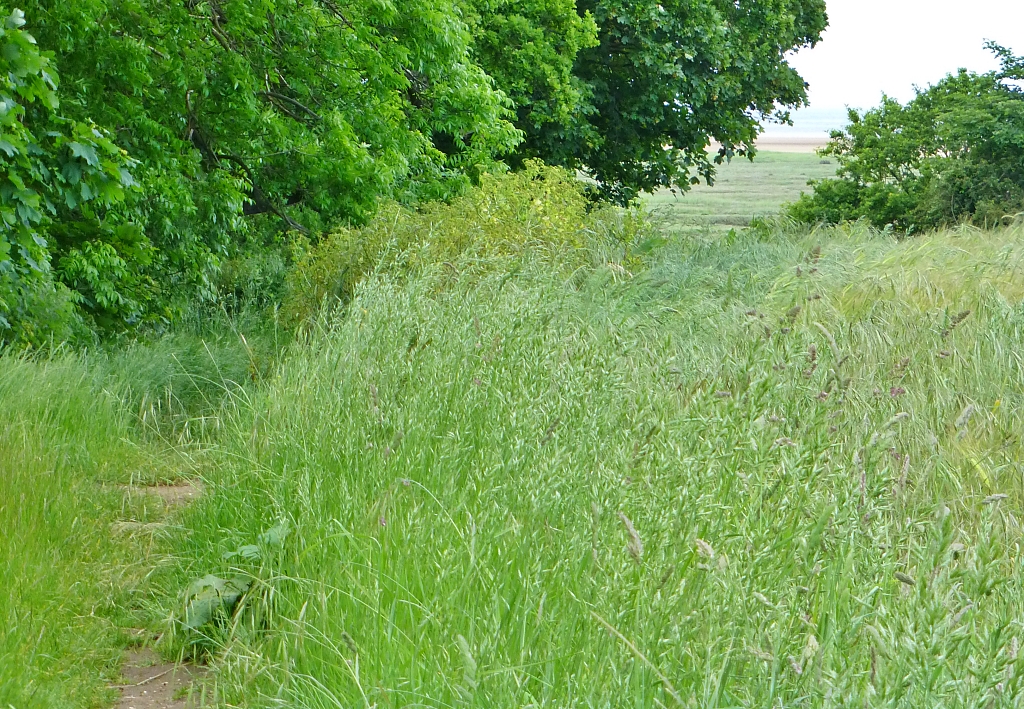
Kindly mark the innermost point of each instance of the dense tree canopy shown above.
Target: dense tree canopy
(213, 123)
(651, 82)
(57, 172)
(309, 112)
(953, 153)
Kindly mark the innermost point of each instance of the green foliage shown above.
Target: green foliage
(539, 210)
(530, 49)
(305, 113)
(954, 153)
(246, 118)
(238, 601)
(210, 598)
(651, 82)
(58, 174)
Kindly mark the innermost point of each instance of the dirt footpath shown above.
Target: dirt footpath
(150, 683)
(147, 681)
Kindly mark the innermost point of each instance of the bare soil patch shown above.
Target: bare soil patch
(150, 683)
(173, 495)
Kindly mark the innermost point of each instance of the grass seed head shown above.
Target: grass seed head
(634, 545)
(904, 578)
(704, 549)
(795, 665)
(468, 663)
(965, 417)
(550, 432)
(955, 621)
(903, 415)
(955, 322)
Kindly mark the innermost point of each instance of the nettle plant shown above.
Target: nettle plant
(52, 171)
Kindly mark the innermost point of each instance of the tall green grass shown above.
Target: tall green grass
(765, 469)
(80, 561)
(57, 435)
(763, 472)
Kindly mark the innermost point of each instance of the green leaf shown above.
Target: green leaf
(276, 535)
(249, 552)
(16, 20)
(210, 596)
(85, 152)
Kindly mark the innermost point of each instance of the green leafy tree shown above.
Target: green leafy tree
(245, 114)
(53, 172)
(634, 91)
(530, 49)
(954, 153)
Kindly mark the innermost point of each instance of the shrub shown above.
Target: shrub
(540, 209)
(955, 153)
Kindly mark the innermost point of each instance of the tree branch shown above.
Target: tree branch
(259, 198)
(272, 95)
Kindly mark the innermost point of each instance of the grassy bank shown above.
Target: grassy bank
(746, 470)
(762, 471)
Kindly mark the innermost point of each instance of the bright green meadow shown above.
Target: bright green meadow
(762, 468)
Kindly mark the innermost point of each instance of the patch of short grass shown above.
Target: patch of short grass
(743, 190)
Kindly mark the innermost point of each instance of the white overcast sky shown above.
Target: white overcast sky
(876, 46)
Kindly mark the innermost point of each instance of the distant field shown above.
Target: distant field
(743, 190)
